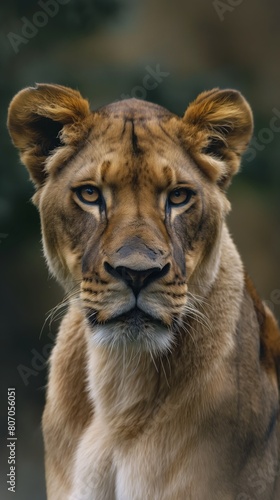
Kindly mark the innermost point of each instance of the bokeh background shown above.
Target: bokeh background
(105, 48)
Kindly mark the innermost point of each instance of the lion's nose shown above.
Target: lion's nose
(135, 279)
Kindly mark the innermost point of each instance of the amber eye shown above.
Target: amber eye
(88, 194)
(180, 196)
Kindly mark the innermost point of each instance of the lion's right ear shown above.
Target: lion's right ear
(38, 119)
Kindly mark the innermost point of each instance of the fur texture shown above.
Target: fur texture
(164, 380)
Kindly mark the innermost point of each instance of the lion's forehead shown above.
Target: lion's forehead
(135, 132)
(142, 151)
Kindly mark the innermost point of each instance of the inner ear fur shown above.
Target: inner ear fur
(219, 127)
(40, 119)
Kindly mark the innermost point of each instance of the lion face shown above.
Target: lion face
(132, 204)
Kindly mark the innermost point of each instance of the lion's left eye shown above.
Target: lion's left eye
(88, 194)
(180, 196)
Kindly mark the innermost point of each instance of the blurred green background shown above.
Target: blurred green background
(103, 48)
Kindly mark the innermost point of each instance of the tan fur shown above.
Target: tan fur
(164, 380)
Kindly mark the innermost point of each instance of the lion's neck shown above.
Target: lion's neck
(125, 386)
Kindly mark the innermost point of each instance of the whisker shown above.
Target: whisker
(154, 363)
(163, 369)
(55, 313)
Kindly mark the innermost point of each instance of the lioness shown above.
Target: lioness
(163, 381)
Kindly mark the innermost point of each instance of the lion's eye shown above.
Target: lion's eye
(180, 196)
(88, 194)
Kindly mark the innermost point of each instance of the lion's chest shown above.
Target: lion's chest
(169, 470)
(170, 459)
(156, 467)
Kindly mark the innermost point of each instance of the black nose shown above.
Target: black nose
(137, 279)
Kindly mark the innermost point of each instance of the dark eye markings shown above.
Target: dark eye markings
(88, 194)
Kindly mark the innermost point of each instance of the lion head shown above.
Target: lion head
(132, 203)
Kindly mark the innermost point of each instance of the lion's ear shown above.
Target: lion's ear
(36, 119)
(219, 128)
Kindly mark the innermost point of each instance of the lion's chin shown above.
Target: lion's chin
(134, 329)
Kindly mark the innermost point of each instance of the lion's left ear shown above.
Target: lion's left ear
(219, 127)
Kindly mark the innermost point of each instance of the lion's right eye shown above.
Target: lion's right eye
(88, 194)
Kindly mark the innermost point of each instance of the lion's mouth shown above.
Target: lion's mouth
(135, 320)
(134, 328)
